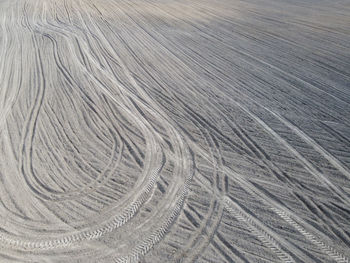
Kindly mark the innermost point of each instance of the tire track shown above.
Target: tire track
(141, 130)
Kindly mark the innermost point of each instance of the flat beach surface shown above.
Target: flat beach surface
(174, 131)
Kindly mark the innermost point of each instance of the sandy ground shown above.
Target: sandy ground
(174, 131)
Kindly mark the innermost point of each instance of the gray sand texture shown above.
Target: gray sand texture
(174, 131)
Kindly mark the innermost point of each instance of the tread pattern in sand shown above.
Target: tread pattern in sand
(174, 131)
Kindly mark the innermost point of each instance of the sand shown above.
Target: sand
(174, 131)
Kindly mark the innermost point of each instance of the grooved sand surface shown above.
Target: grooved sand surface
(174, 131)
